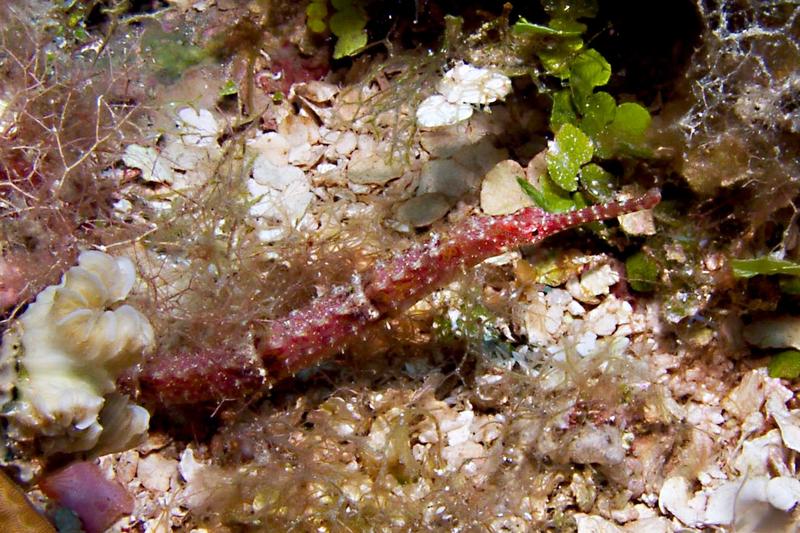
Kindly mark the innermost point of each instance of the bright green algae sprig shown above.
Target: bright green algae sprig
(589, 126)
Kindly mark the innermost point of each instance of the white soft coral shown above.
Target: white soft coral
(70, 346)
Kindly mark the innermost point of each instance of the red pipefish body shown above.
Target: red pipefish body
(310, 334)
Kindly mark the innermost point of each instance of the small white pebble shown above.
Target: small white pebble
(346, 143)
(575, 308)
(156, 471)
(586, 344)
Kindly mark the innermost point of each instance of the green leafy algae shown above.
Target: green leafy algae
(587, 71)
(747, 268)
(588, 124)
(598, 182)
(171, 52)
(316, 13)
(548, 196)
(571, 149)
(785, 365)
(348, 23)
(642, 272)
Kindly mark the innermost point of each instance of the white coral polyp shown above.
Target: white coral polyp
(71, 345)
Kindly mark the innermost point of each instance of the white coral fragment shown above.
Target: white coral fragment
(465, 437)
(788, 421)
(435, 111)
(766, 489)
(756, 454)
(280, 190)
(675, 499)
(467, 84)
(596, 281)
(746, 501)
(157, 472)
(783, 492)
(281, 193)
(749, 395)
(70, 346)
(595, 524)
(462, 87)
(272, 147)
(639, 223)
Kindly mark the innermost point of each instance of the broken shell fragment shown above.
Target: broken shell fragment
(198, 127)
(153, 165)
(500, 191)
(317, 91)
